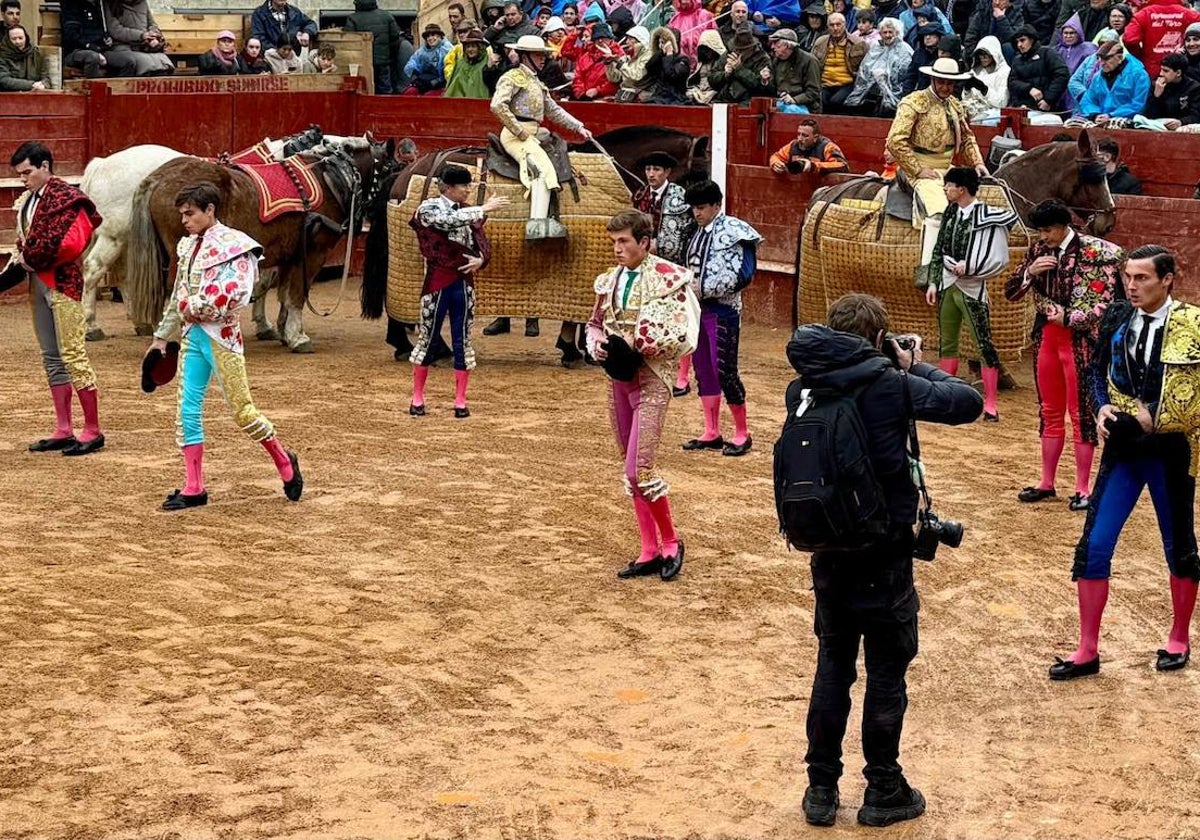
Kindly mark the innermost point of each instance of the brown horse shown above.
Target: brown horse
(296, 244)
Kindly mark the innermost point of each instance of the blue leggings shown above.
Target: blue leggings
(1119, 485)
(199, 360)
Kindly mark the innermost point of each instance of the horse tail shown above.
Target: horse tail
(375, 263)
(144, 260)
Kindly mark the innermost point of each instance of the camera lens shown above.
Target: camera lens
(950, 533)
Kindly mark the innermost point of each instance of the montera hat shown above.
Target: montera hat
(454, 176)
(159, 367)
(706, 192)
(530, 44)
(945, 68)
(662, 159)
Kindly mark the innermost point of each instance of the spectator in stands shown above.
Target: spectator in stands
(769, 16)
(620, 19)
(990, 68)
(1119, 90)
(86, 42)
(1087, 70)
(133, 30)
(426, 68)
(456, 51)
(465, 79)
(809, 152)
(1157, 30)
(690, 20)
(709, 77)
(555, 34)
(846, 9)
(748, 70)
(959, 13)
(794, 75)
(22, 65)
(1120, 180)
(276, 19)
(1000, 18)
(669, 66)
(323, 62)
(491, 11)
(509, 27)
(591, 78)
(864, 25)
(1191, 49)
(924, 54)
(738, 16)
(284, 57)
(1073, 50)
(1093, 14)
(251, 61)
(815, 25)
(1038, 77)
(221, 60)
(629, 71)
(921, 12)
(1042, 15)
(385, 41)
(456, 16)
(1175, 98)
(570, 16)
(881, 76)
(951, 46)
(1118, 18)
(839, 55)
(10, 16)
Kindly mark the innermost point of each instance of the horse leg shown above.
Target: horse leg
(565, 344)
(263, 331)
(291, 310)
(97, 263)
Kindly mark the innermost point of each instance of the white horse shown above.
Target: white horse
(111, 183)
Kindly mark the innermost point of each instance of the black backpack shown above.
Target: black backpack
(826, 492)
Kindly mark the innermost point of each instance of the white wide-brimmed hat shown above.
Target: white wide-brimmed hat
(945, 68)
(530, 43)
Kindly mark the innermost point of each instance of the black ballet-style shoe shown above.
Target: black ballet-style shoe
(1036, 494)
(672, 565)
(52, 444)
(696, 444)
(294, 488)
(1172, 661)
(736, 450)
(1065, 669)
(85, 447)
(676, 391)
(988, 417)
(461, 412)
(178, 501)
(636, 569)
(1079, 502)
(417, 410)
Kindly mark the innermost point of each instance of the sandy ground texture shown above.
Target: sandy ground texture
(433, 642)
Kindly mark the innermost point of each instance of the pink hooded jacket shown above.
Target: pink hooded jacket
(689, 21)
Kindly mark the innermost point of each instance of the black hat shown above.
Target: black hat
(622, 362)
(1026, 31)
(159, 366)
(662, 159)
(454, 176)
(13, 274)
(601, 30)
(705, 192)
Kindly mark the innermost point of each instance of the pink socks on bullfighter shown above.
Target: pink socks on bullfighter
(1052, 448)
(1093, 596)
(1183, 603)
(63, 427)
(193, 463)
(461, 378)
(660, 508)
(1084, 454)
(949, 365)
(646, 529)
(991, 390)
(740, 429)
(279, 455)
(420, 375)
(89, 399)
(712, 417)
(685, 368)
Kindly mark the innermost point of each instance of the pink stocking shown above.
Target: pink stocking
(1084, 453)
(1183, 602)
(661, 508)
(645, 521)
(991, 389)
(949, 365)
(1093, 595)
(62, 411)
(1052, 448)
(461, 378)
(279, 455)
(712, 417)
(89, 398)
(420, 374)
(193, 462)
(685, 368)
(740, 430)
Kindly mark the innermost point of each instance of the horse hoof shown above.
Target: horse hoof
(95, 335)
(143, 329)
(304, 347)
(267, 335)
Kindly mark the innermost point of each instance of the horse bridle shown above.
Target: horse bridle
(1087, 214)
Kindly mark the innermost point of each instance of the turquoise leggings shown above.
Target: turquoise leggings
(199, 360)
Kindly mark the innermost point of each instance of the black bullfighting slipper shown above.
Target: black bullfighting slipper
(1036, 494)
(696, 443)
(1078, 502)
(52, 444)
(671, 566)
(821, 805)
(85, 447)
(636, 569)
(1172, 661)
(676, 391)
(462, 413)
(735, 450)
(178, 501)
(1065, 669)
(416, 410)
(294, 488)
(991, 418)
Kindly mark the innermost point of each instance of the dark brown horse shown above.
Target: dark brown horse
(296, 244)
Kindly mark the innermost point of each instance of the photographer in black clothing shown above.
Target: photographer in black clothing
(869, 594)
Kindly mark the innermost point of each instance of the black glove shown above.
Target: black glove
(622, 362)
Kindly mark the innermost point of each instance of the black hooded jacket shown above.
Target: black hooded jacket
(1041, 68)
(825, 358)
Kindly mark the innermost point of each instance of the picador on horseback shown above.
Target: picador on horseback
(521, 102)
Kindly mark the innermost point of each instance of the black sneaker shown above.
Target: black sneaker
(820, 805)
(884, 807)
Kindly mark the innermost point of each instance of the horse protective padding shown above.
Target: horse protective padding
(279, 187)
(548, 278)
(848, 249)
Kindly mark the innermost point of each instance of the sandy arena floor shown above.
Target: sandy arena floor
(433, 643)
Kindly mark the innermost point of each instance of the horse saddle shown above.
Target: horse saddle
(500, 162)
(289, 187)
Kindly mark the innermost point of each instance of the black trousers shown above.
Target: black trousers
(867, 596)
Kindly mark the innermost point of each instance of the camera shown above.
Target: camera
(931, 532)
(907, 342)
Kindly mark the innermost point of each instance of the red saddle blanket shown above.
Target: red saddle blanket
(255, 155)
(279, 192)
